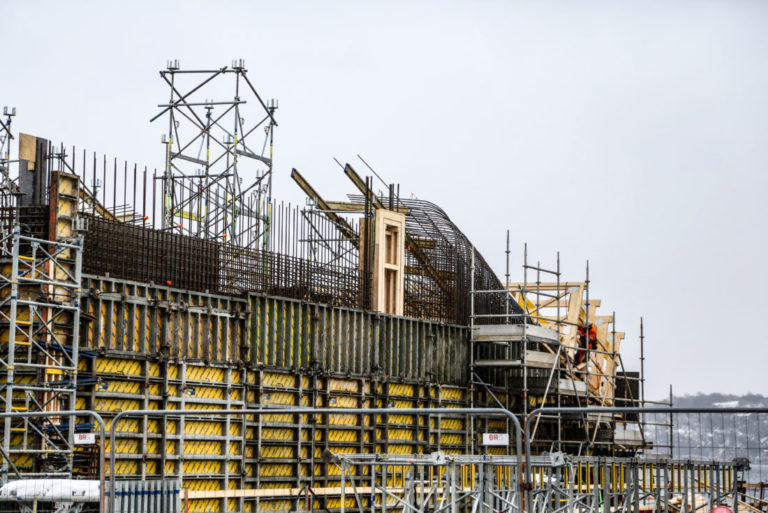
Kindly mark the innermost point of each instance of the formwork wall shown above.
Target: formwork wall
(151, 347)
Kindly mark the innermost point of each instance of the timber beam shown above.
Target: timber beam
(346, 230)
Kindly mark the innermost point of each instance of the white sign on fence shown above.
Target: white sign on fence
(495, 438)
(85, 438)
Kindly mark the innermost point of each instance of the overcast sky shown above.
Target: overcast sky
(632, 134)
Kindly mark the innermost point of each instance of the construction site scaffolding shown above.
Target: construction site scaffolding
(557, 352)
(217, 181)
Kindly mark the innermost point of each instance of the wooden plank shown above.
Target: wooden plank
(292, 492)
(346, 206)
(27, 150)
(547, 286)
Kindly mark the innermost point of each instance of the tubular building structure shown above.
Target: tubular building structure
(192, 289)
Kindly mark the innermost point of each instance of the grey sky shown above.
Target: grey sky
(632, 134)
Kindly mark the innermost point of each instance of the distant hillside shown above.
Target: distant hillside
(716, 436)
(721, 400)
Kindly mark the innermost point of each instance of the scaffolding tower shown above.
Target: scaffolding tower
(217, 181)
(39, 331)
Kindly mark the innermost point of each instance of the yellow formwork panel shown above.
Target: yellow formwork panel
(281, 398)
(271, 433)
(155, 426)
(401, 389)
(118, 366)
(125, 425)
(497, 424)
(203, 505)
(274, 379)
(452, 393)
(202, 447)
(278, 452)
(275, 470)
(21, 460)
(396, 419)
(453, 439)
(400, 434)
(400, 449)
(344, 402)
(122, 387)
(154, 369)
(449, 423)
(203, 392)
(275, 505)
(342, 435)
(341, 419)
(195, 373)
(125, 446)
(202, 468)
(202, 406)
(124, 468)
(345, 385)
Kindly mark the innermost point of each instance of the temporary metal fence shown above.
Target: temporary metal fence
(658, 479)
(550, 483)
(142, 496)
(559, 483)
(72, 414)
(501, 483)
(309, 411)
(425, 482)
